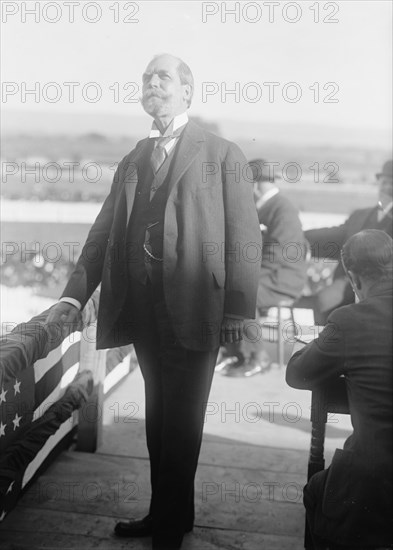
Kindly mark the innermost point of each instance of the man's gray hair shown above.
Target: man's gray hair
(186, 77)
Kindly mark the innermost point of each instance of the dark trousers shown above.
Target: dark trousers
(312, 499)
(177, 386)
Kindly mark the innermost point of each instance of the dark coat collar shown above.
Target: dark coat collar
(384, 288)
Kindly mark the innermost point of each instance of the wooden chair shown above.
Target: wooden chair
(284, 304)
(331, 398)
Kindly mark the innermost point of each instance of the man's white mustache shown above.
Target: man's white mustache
(148, 95)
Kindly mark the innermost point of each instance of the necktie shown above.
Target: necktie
(159, 153)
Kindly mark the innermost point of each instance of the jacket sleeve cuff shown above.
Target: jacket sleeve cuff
(233, 316)
(237, 306)
(71, 301)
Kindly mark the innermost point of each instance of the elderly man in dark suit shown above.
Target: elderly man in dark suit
(327, 242)
(174, 249)
(283, 271)
(350, 503)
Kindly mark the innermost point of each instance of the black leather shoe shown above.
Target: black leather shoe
(249, 368)
(222, 365)
(135, 528)
(255, 368)
(139, 528)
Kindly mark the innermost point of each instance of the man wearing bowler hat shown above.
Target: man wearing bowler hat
(328, 241)
(175, 235)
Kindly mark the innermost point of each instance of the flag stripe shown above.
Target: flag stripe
(50, 444)
(42, 366)
(56, 393)
(51, 379)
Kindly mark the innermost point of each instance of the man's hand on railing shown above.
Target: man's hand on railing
(65, 316)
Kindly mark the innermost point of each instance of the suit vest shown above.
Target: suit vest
(146, 224)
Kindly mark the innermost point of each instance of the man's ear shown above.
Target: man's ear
(188, 91)
(355, 279)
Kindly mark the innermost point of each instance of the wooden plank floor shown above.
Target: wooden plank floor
(76, 503)
(248, 485)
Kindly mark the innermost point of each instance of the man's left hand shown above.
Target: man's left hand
(231, 330)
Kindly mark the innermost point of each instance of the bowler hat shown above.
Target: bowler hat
(387, 169)
(262, 170)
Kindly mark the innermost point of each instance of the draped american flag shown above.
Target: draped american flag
(40, 387)
(34, 372)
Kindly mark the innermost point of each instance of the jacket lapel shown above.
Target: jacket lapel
(135, 163)
(188, 148)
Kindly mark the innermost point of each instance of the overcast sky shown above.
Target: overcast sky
(353, 54)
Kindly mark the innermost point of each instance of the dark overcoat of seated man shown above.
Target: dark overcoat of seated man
(326, 242)
(350, 503)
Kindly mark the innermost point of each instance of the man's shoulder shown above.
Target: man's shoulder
(360, 313)
(281, 202)
(279, 208)
(125, 161)
(139, 145)
(343, 314)
(213, 140)
(347, 318)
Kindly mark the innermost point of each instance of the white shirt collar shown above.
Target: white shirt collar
(266, 196)
(382, 212)
(177, 122)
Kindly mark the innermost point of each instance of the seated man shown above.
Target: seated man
(283, 270)
(327, 242)
(350, 503)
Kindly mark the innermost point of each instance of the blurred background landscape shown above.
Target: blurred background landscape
(75, 160)
(61, 180)
(58, 157)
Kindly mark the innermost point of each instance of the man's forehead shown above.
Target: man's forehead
(163, 63)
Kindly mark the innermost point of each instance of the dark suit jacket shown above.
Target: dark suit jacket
(211, 237)
(328, 241)
(283, 268)
(356, 343)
